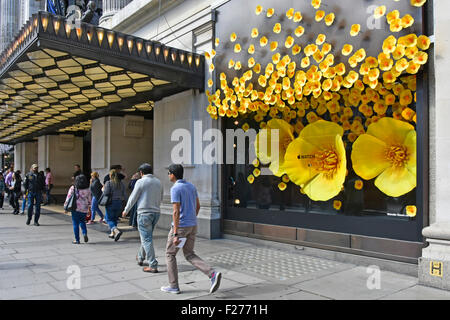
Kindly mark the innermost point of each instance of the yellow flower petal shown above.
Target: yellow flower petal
(368, 156)
(396, 181)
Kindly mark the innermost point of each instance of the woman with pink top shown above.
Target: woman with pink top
(84, 199)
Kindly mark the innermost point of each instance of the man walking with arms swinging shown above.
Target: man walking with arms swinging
(186, 206)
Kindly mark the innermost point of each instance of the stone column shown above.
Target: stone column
(127, 141)
(25, 154)
(110, 7)
(434, 265)
(60, 153)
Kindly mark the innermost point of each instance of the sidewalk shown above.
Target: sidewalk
(34, 263)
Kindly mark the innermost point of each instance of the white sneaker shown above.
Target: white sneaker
(168, 289)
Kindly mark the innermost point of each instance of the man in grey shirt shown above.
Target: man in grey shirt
(148, 194)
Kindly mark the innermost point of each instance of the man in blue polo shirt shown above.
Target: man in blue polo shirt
(186, 206)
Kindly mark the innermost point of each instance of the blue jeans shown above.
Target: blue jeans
(79, 220)
(113, 213)
(34, 199)
(24, 203)
(95, 209)
(146, 225)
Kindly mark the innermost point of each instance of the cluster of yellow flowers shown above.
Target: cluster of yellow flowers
(295, 96)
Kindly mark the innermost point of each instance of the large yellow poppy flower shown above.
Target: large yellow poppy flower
(316, 160)
(388, 152)
(264, 153)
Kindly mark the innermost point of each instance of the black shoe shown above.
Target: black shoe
(28, 222)
(86, 239)
(117, 237)
(37, 224)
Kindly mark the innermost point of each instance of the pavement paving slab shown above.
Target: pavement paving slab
(35, 263)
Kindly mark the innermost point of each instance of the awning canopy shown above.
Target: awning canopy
(57, 74)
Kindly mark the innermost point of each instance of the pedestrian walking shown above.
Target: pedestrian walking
(77, 171)
(8, 179)
(147, 196)
(83, 197)
(186, 207)
(34, 186)
(48, 186)
(96, 191)
(133, 213)
(115, 189)
(2, 190)
(16, 190)
(118, 168)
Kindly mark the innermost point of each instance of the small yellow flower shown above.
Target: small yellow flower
(290, 13)
(347, 49)
(210, 83)
(263, 41)
(316, 3)
(329, 19)
(211, 68)
(417, 3)
(258, 10)
(320, 14)
(237, 48)
(305, 62)
(355, 29)
(423, 42)
(233, 37)
(251, 49)
(296, 49)
(420, 58)
(255, 33)
(273, 45)
(393, 15)
(285, 179)
(282, 186)
(411, 211)
(251, 62)
(270, 12)
(337, 205)
(299, 31)
(321, 39)
(238, 65)
(217, 42)
(255, 163)
(406, 97)
(298, 16)
(407, 21)
(396, 25)
(251, 179)
(289, 42)
(408, 114)
(359, 184)
(277, 28)
(256, 172)
(379, 12)
(231, 64)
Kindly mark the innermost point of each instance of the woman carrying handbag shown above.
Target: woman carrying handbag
(78, 202)
(113, 198)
